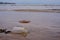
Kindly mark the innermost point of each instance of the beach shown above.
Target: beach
(44, 22)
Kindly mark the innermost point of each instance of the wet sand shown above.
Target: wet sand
(43, 25)
(35, 10)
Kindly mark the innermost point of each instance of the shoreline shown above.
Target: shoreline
(35, 10)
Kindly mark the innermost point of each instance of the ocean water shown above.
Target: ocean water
(36, 7)
(43, 25)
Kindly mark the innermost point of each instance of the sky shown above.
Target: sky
(33, 1)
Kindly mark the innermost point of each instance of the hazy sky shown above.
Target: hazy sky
(33, 1)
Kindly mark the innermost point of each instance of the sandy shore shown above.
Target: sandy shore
(43, 25)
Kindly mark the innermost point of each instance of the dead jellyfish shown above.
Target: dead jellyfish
(20, 30)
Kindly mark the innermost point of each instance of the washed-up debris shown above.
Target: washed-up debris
(24, 21)
(4, 31)
(16, 30)
(20, 30)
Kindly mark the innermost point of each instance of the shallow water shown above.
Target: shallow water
(43, 25)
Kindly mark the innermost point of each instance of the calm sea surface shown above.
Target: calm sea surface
(43, 25)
